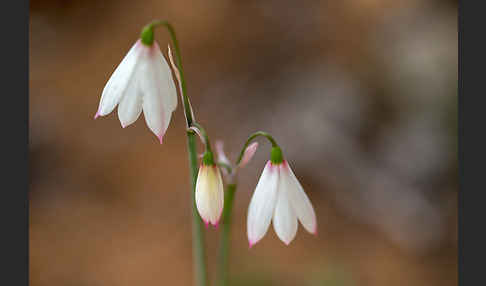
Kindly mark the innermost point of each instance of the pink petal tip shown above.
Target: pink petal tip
(97, 114)
(250, 244)
(206, 223)
(161, 137)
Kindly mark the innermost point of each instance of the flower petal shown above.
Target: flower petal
(284, 218)
(219, 198)
(159, 94)
(117, 85)
(166, 75)
(209, 194)
(298, 199)
(262, 204)
(130, 105)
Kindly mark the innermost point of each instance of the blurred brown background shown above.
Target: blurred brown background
(360, 94)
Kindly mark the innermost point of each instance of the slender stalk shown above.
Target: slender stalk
(202, 133)
(225, 236)
(253, 136)
(199, 251)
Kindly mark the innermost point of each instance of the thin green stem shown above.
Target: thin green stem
(199, 251)
(253, 136)
(202, 132)
(225, 236)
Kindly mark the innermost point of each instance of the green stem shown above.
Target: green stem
(199, 252)
(253, 136)
(198, 249)
(225, 236)
(202, 132)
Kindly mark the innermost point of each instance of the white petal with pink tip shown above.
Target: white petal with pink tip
(262, 204)
(284, 219)
(119, 81)
(299, 200)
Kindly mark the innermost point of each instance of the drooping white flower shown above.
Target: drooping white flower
(209, 193)
(279, 197)
(142, 81)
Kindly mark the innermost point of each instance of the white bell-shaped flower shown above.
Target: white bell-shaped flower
(142, 81)
(279, 197)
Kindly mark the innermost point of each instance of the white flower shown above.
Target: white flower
(279, 197)
(209, 194)
(142, 81)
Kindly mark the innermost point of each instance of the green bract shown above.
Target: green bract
(276, 156)
(208, 158)
(147, 35)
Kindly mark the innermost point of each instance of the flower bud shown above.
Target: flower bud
(209, 191)
(248, 154)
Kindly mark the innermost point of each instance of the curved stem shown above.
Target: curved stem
(253, 136)
(225, 236)
(202, 133)
(199, 252)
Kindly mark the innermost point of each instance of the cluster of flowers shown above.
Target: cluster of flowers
(143, 82)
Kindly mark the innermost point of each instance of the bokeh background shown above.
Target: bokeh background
(360, 94)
